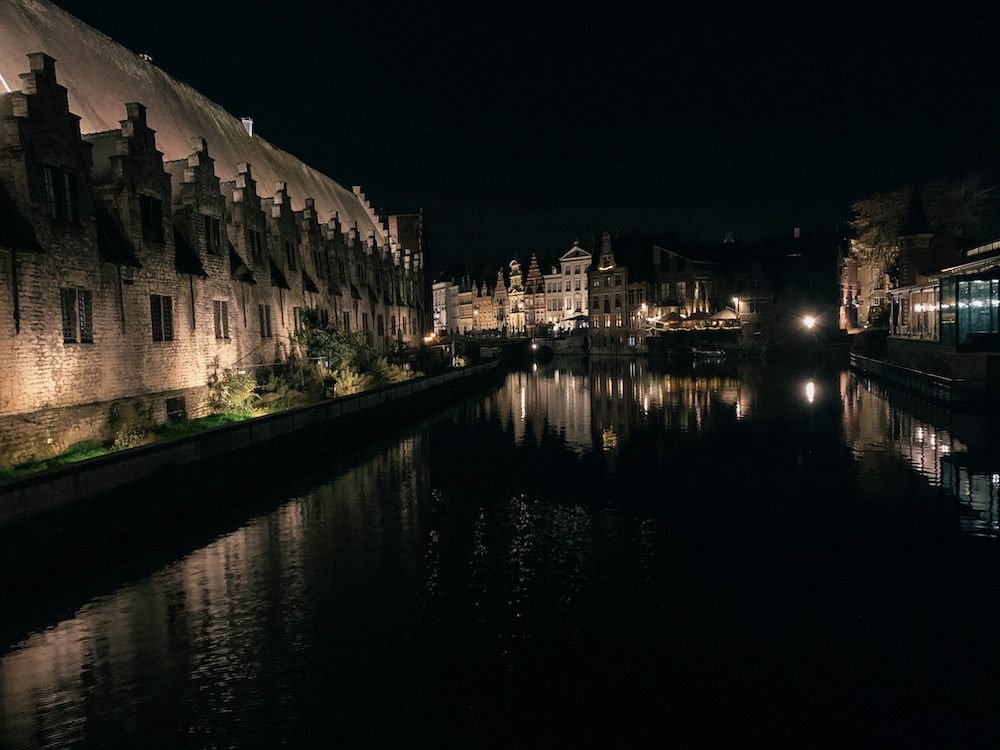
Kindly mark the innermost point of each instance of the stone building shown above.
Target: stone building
(131, 278)
(609, 317)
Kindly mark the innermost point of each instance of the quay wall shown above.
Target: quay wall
(58, 514)
(979, 371)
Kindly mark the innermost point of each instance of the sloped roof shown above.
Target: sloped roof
(101, 75)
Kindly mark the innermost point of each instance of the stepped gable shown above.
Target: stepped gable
(100, 75)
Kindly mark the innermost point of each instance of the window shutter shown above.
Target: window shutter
(168, 319)
(86, 316)
(156, 315)
(68, 302)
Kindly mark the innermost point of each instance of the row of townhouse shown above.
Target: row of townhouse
(517, 304)
(641, 288)
(128, 277)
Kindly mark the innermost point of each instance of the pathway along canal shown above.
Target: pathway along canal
(602, 554)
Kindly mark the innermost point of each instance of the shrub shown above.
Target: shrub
(234, 393)
(350, 381)
(131, 424)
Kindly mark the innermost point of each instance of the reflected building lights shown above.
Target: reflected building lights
(874, 424)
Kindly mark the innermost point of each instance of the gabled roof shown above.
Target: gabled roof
(575, 253)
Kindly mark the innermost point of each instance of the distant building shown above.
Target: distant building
(575, 265)
(609, 317)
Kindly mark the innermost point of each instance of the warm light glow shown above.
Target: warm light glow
(809, 321)
(811, 392)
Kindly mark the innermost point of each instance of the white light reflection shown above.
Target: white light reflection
(811, 392)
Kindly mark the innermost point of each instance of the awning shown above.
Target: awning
(726, 313)
(277, 277)
(186, 260)
(15, 231)
(238, 270)
(307, 283)
(112, 244)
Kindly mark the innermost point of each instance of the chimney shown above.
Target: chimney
(248, 124)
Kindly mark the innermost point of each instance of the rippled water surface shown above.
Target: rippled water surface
(602, 554)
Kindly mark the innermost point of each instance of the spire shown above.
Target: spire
(916, 220)
(607, 261)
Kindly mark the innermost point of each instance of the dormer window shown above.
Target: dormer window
(213, 235)
(256, 244)
(60, 194)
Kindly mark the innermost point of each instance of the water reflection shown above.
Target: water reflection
(232, 626)
(953, 451)
(579, 532)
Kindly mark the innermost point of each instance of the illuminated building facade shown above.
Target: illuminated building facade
(609, 316)
(132, 277)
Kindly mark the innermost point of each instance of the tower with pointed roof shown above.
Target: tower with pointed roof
(915, 242)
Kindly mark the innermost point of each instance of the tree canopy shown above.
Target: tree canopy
(961, 208)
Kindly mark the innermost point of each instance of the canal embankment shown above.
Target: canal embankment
(62, 513)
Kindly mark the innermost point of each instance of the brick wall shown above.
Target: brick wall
(133, 241)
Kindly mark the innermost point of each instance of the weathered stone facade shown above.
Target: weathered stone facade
(125, 277)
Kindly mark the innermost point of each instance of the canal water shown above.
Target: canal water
(593, 554)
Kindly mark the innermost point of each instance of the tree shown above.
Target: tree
(962, 208)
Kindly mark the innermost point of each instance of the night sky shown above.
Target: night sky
(519, 130)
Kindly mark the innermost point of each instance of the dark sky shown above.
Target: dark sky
(518, 130)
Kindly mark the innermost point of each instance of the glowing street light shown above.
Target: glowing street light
(809, 321)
